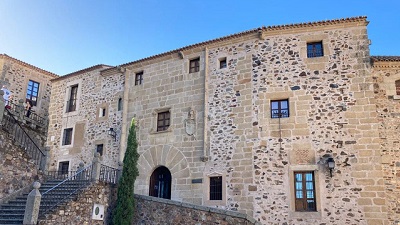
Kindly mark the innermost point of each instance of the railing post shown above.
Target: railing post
(119, 172)
(2, 105)
(45, 159)
(19, 109)
(96, 167)
(32, 205)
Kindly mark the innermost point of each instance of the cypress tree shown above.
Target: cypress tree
(124, 210)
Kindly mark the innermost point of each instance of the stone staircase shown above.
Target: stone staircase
(60, 193)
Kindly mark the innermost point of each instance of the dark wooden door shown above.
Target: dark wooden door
(160, 183)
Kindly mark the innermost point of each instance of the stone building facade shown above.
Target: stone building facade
(27, 81)
(248, 122)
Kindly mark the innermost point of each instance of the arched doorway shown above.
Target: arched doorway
(160, 183)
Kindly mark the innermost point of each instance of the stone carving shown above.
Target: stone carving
(302, 156)
(190, 123)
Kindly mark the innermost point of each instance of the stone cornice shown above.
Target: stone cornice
(5, 56)
(385, 62)
(89, 69)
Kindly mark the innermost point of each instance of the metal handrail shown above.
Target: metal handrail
(12, 126)
(33, 116)
(108, 174)
(59, 194)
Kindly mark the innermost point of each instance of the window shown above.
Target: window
(304, 186)
(119, 104)
(139, 78)
(314, 49)
(216, 188)
(397, 87)
(32, 92)
(67, 137)
(280, 108)
(63, 168)
(99, 149)
(73, 96)
(194, 65)
(163, 120)
(102, 112)
(222, 63)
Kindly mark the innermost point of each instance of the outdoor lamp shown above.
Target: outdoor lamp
(112, 133)
(331, 164)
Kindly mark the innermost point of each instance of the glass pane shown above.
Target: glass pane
(274, 105)
(299, 186)
(284, 104)
(299, 194)
(309, 186)
(309, 177)
(310, 194)
(299, 177)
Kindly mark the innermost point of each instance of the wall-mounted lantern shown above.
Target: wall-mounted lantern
(112, 133)
(331, 164)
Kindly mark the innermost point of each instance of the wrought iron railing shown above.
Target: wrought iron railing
(283, 113)
(58, 175)
(21, 137)
(64, 190)
(41, 121)
(108, 174)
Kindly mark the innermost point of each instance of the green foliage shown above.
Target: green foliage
(124, 211)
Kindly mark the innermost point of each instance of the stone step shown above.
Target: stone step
(11, 221)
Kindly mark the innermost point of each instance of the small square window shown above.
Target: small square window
(67, 137)
(163, 121)
(99, 149)
(194, 65)
(222, 63)
(397, 87)
(315, 49)
(102, 112)
(139, 78)
(304, 187)
(280, 108)
(216, 188)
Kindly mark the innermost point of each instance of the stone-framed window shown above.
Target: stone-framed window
(67, 136)
(315, 49)
(120, 104)
(222, 63)
(216, 188)
(32, 92)
(163, 120)
(397, 83)
(73, 97)
(63, 168)
(100, 149)
(280, 108)
(304, 187)
(194, 65)
(102, 112)
(139, 78)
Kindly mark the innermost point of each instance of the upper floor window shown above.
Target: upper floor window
(139, 78)
(315, 49)
(222, 63)
(99, 149)
(73, 97)
(194, 65)
(102, 112)
(119, 104)
(397, 87)
(216, 188)
(163, 120)
(63, 168)
(67, 137)
(280, 108)
(32, 92)
(305, 191)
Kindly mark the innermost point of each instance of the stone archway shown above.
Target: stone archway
(161, 155)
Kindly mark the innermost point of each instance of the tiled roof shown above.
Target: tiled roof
(28, 65)
(95, 67)
(362, 19)
(385, 58)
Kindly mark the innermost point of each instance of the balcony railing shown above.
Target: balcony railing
(41, 121)
(108, 174)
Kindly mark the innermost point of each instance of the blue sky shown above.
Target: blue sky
(63, 36)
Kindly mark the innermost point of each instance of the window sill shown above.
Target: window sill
(308, 215)
(161, 132)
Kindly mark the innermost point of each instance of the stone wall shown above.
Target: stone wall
(16, 170)
(385, 73)
(16, 74)
(152, 211)
(80, 210)
(94, 92)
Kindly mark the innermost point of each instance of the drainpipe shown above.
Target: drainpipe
(205, 156)
(124, 115)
